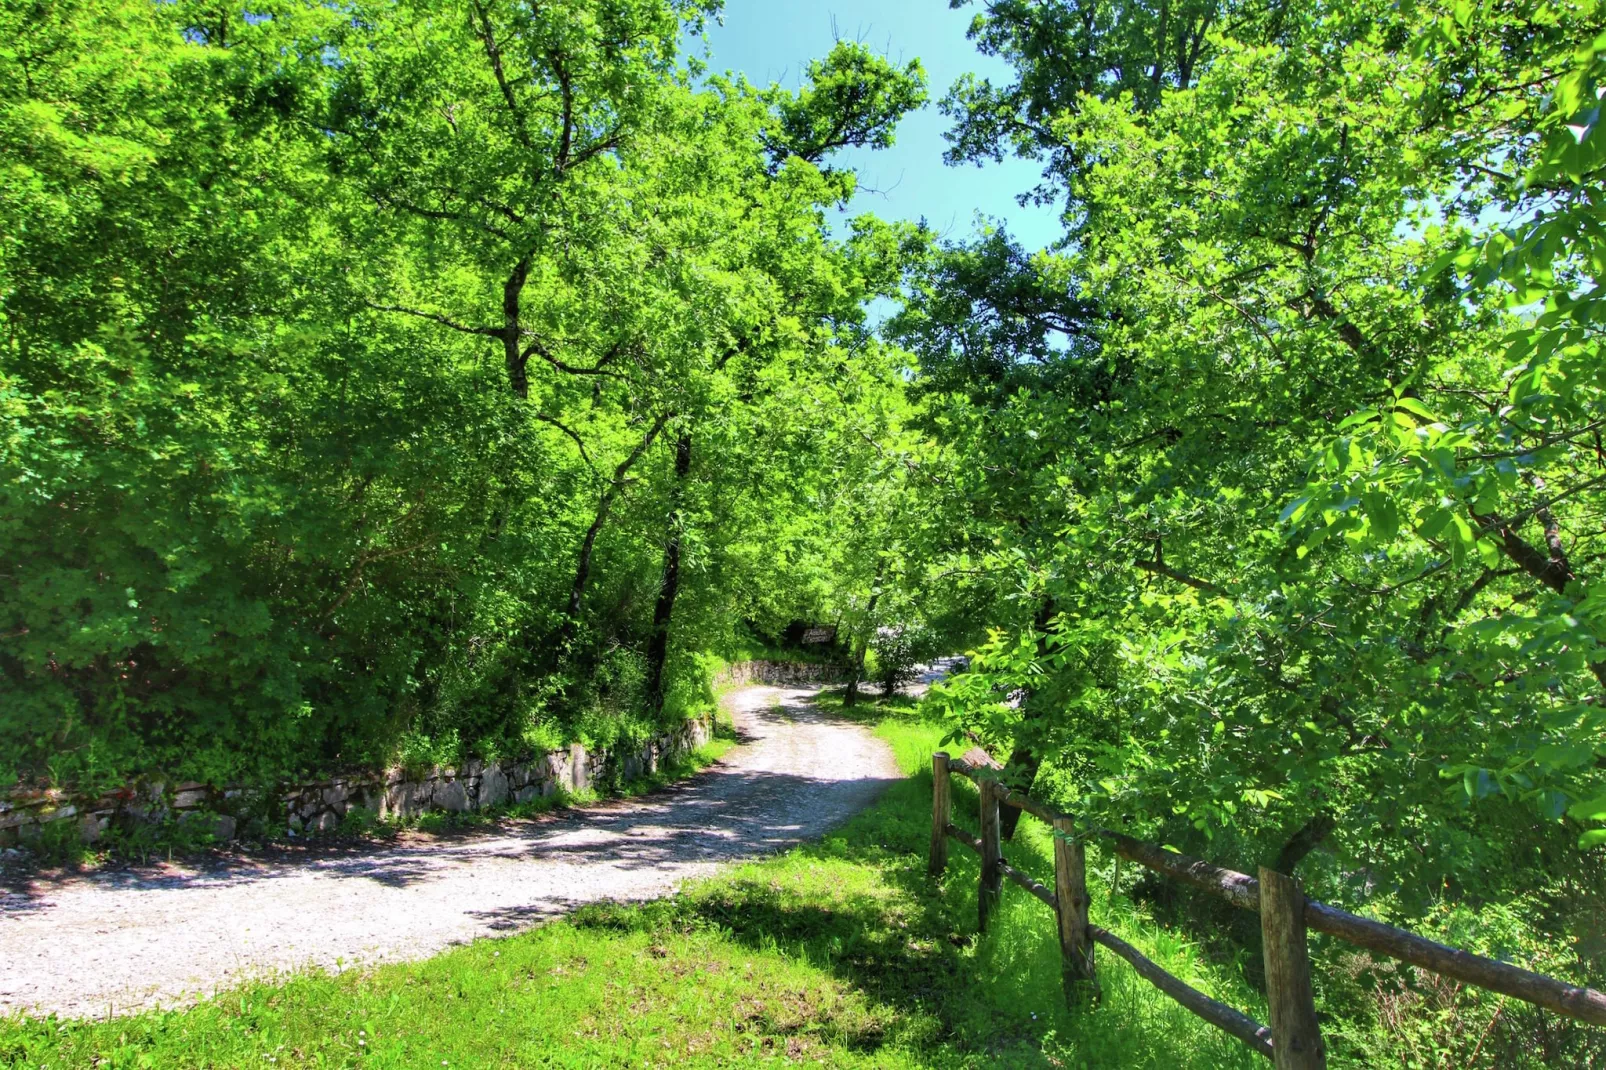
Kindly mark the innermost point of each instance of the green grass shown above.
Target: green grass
(840, 953)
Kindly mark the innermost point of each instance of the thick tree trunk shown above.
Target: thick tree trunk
(513, 357)
(856, 673)
(664, 611)
(1303, 842)
(1159, 48)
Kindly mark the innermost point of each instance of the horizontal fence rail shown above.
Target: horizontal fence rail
(1293, 1041)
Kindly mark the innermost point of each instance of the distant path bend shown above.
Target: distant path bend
(119, 942)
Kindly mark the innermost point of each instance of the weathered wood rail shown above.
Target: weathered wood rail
(1294, 1040)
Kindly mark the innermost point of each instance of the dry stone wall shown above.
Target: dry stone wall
(392, 794)
(320, 806)
(779, 674)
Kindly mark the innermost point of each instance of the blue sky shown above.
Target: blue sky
(772, 40)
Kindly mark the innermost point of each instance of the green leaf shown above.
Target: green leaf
(1383, 515)
(1417, 409)
(1294, 511)
(1436, 522)
(1592, 810)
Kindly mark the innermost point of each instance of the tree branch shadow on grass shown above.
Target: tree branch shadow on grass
(909, 944)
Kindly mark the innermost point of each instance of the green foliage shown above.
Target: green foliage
(1219, 632)
(899, 651)
(1275, 482)
(347, 362)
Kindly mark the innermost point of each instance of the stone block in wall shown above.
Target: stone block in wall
(91, 827)
(398, 796)
(630, 767)
(223, 829)
(452, 796)
(190, 797)
(408, 798)
(535, 789)
(579, 768)
(494, 787)
(559, 769)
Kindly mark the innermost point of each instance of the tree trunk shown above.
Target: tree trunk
(518, 379)
(582, 575)
(664, 611)
(582, 569)
(1303, 842)
(1159, 49)
(856, 673)
(1022, 759)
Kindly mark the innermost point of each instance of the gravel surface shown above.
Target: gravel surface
(118, 942)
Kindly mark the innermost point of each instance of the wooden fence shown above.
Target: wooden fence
(1294, 1040)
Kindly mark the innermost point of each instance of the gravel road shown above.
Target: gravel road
(118, 942)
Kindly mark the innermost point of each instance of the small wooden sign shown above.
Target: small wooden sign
(819, 635)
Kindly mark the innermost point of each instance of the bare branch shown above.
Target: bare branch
(1553, 440)
(1163, 569)
(388, 200)
(580, 443)
(537, 348)
(566, 89)
(490, 332)
(1554, 499)
(494, 53)
(602, 145)
(364, 559)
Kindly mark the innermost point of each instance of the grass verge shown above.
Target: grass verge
(839, 953)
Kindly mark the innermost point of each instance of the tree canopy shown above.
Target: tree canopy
(377, 379)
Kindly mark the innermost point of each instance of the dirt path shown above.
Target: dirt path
(119, 942)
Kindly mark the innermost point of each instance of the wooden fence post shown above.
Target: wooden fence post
(941, 813)
(1070, 891)
(1296, 1039)
(992, 878)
